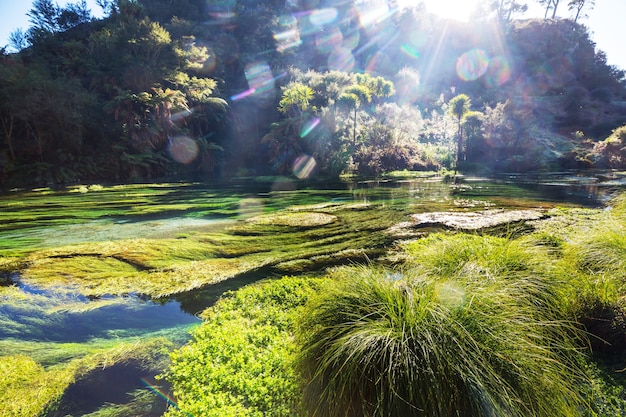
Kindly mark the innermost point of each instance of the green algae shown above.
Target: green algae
(161, 267)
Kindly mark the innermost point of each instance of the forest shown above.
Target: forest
(201, 90)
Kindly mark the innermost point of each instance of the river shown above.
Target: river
(54, 320)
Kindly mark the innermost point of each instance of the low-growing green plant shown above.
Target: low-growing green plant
(239, 362)
(374, 343)
(27, 389)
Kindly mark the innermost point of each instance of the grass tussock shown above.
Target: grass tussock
(374, 344)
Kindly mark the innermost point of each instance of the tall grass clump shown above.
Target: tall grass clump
(596, 256)
(374, 343)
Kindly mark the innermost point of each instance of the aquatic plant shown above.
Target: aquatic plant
(379, 344)
(28, 388)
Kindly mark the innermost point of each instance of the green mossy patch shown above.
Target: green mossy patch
(27, 389)
(295, 219)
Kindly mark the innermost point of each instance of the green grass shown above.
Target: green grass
(378, 344)
(28, 388)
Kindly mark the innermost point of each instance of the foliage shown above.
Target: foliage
(156, 70)
(239, 362)
(376, 343)
(459, 106)
(611, 152)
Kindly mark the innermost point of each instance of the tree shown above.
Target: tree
(363, 91)
(296, 99)
(579, 5)
(472, 125)
(352, 98)
(505, 9)
(458, 107)
(552, 5)
(18, 40)
(44, 15)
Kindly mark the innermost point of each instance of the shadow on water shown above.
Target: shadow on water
(194, 302)
(114, 385)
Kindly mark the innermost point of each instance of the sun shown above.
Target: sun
(460, 10)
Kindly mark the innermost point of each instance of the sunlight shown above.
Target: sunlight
(460, 10)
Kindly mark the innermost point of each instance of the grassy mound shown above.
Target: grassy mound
(378, 344)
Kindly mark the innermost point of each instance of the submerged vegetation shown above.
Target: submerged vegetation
(532, 293)
(479, 320)
(429, 294)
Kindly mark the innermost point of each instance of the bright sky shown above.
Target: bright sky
(606, 20)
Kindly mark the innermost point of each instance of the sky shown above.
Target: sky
(605, 21)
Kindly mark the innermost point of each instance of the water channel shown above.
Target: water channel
(60, 317)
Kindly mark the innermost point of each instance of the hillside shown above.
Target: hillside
(200, 90)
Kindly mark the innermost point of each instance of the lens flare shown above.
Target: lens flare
(288, 36)
(309, 126)
(250, 207)
(208, 66)
(498, 73)
(303, 166)
(472, 65)
(287, 39)
(407, 91)
(183, 149)
(372, 14)
(181, 115)
(242, 95)
(341, 59)
(410, 51)
(161, 394)
(321, 17)
(329, 41)
(351, 39)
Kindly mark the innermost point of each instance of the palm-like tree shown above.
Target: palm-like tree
(459, 106)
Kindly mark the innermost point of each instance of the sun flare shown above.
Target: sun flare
(460, 10)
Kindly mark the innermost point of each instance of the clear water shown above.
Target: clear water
(41, 219)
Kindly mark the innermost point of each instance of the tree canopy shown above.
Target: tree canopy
(256, 86)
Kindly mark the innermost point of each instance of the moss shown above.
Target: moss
(295, 219)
